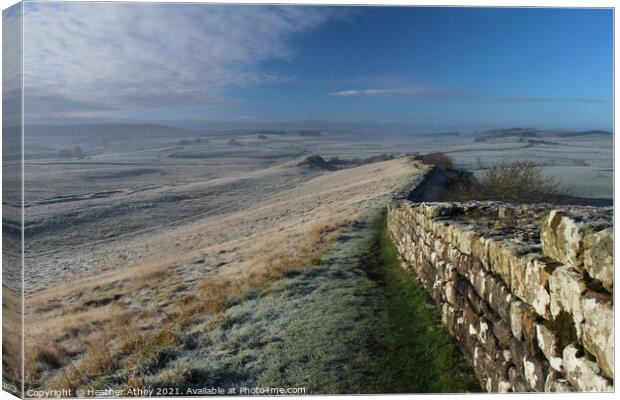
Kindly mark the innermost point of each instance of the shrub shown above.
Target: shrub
(438, 158)
(514, 182)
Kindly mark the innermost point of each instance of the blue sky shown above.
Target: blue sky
(358, 68)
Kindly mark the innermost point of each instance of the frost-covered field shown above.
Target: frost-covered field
(88, 208)
(131, 232)
(583, 164)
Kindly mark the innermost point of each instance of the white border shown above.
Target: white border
(462, 3)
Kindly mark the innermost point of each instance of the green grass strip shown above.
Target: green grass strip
(416, 354)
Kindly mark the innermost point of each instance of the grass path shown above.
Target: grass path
(356, 323)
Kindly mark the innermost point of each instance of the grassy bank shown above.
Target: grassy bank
(353, 323)
(415, 353)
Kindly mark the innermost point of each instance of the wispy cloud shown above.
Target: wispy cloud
(405, 91)
(11, 66)
(100, 57)
(430, 92)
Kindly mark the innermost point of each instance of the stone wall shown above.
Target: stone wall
(526, 290)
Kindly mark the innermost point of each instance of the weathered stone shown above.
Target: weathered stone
(598, 257)
(484, 330)
(530, 339)
(598, 331)
(503, 361)
(549, 344)
(471, 319)
(484, 368)
(491, 345)
(501, 330)
(450, 292)
(498, 296)
(510, 307)
(436, 210)
(517, 310)
(503, 386)
(478, 281)
(517, 353)
(501, 255)
(465, 239)
(567, 286)
(478, 248)
(475, 301)
(449, 317)
(562, 238)
(529, 280)
(582, 373)
(556, 383)
(535, 372)
(516, 381)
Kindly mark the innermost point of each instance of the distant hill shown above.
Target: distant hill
(504, 133)
(523, 133)
(283, 132)
(581, 133)
(105, 130)
(439, 134)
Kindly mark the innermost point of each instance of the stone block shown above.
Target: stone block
(471, 319)
(465, 238)
(478, 280)
(437, 210)
(500, 258)
(450, 293)
(535, 372)
(562, 238)
(474, 300)
(498, 296)
(528, 326)
(598, 257)
(567, 286)
(485, 330)
(484, 368)
(501, 330)
(550, 346)
(517, 382)
(517, 310)
(598, 330)
(583, 374)
(491, 345)
(529, 282)
(557, 383)
(503, 362)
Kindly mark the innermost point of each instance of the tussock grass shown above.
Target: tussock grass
(309, 250)
(11, 337)
(108, 338)
(149, 351)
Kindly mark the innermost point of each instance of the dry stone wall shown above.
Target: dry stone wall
(526, 290)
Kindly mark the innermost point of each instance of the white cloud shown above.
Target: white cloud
(405, 91)
(89, 58)
(428, 92)
(11, 66)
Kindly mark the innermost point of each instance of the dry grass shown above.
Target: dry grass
(217, 292)
(11, 337)
(96, 322)
(107, 338)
